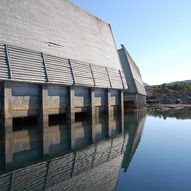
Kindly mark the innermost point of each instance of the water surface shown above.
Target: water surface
(135, 152)
(162, 161)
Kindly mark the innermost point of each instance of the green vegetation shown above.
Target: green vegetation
(176, 89)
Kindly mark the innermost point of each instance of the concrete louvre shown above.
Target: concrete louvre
(25, 65)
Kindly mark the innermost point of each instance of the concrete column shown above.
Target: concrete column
(121, 103)
(44, 117)
(71, 115)
(122, 111)
(108, 106)
(8, 124)
(93, 114)
(8, 107)
(92, 100)
(137, 101)
(71, 106)
(109, 112)
(44, 109)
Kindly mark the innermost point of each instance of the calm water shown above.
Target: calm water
(162, 161)
(134, 152)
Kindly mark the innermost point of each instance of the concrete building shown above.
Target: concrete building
(136, 94)
(56, 58)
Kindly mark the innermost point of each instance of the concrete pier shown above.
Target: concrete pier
(41, 101)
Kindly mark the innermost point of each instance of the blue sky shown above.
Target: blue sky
(157, 34)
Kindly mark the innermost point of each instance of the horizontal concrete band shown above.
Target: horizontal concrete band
(20, 64)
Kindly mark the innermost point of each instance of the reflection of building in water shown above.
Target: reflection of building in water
(88, 153)
(71, 143)
(134, 123)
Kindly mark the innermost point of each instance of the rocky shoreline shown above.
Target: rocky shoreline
(165, 107)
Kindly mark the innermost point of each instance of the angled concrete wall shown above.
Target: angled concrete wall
(135, 97)
(58, 28)
(132, 73)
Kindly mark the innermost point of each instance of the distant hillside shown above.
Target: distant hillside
(146, 85)
(185, 81)
(173, 89)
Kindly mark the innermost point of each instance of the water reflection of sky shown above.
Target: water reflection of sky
(162, 160)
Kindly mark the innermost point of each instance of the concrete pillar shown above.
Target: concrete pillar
(8, 124)
(108, 106)
(92, 102)
(92, 112)
(109, 113)
(7, 107)
(71, 106)
(121, 103)
(71, 115)
(44, 117)
(44, 109)
(122, 111)
(137, 101)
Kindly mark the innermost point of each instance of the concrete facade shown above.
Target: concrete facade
(41, 101)
(56, 58)
(58, 28)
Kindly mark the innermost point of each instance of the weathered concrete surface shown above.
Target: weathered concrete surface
(1, 97)
(41, 101)
(27, 99)
(59, 28)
